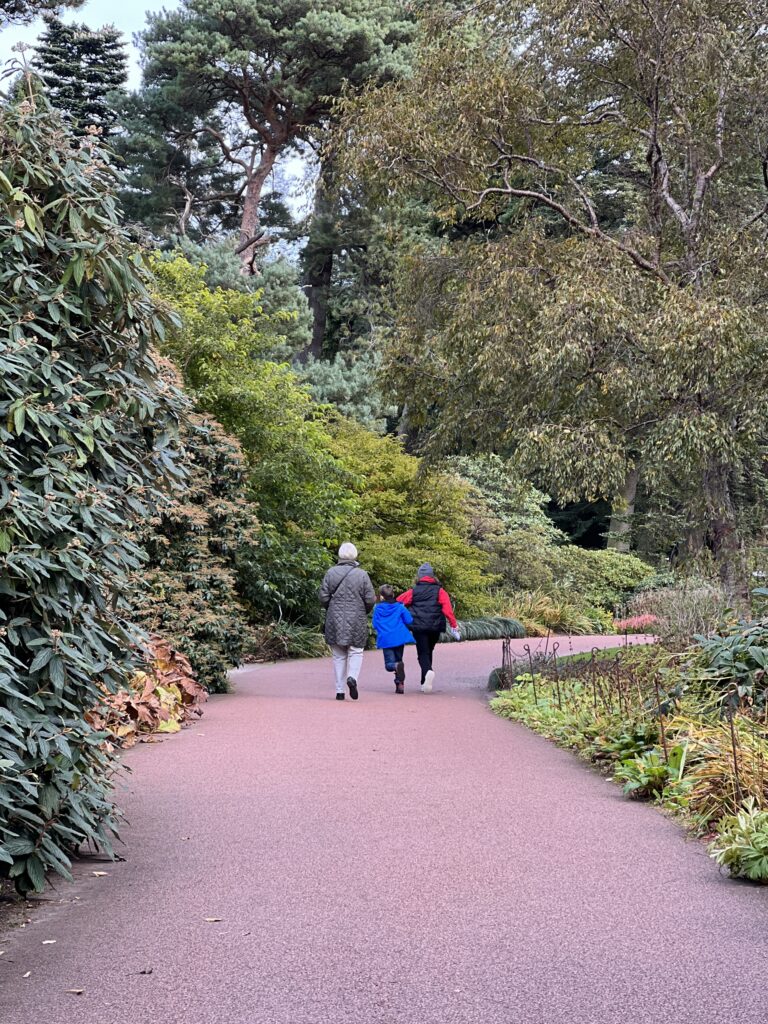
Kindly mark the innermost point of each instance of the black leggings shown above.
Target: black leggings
(425, 645)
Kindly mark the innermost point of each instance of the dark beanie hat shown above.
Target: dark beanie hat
(425, 569)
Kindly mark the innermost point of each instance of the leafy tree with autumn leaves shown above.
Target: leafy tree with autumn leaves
(608, 325)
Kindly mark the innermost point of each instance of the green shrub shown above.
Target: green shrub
(733, 664)
(188, 591)
(649, 773)
(217, 347)
(741, 844)
(85, 427)
(531, 556)
(601, 578)
(400, 516)
(459, 567)
(280, 575)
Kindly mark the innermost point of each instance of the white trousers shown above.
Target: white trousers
(347, 661)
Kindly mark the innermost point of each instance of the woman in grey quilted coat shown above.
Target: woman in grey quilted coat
(348, 596)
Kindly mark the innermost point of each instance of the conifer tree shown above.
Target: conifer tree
(260, 76)
(21, 12)
(82, 68)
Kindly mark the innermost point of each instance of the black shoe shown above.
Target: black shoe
(352, 684)
(399, 673)
(339, 696)
(399, 688)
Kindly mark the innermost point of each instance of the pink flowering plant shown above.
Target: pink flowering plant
(636, 624)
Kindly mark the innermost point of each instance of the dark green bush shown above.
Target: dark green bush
(84, 432)
(188, 592)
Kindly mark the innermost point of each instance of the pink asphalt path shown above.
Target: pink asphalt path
(391, 861)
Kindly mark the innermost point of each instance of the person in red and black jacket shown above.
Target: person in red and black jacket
(430, 606)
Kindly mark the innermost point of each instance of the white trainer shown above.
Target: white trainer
(426, 686)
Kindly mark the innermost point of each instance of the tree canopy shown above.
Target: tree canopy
(608, 320)
(21, 12)
(258, 77)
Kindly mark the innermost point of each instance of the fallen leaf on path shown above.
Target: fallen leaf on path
(211, 920)
(99, 874)
(75, 991)
(49, 942)
(27, 974)
(147, 970)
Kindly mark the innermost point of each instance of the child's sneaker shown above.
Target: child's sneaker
(399, 672)
(426, 686)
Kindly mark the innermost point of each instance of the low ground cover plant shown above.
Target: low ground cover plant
(741, 844)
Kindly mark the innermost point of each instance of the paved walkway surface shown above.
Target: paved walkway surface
(401, 860)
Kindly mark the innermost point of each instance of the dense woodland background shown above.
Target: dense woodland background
(520, 333)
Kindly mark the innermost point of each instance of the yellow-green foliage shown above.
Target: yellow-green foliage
(216, 346)
(541, 613)
(602, 578)
(317, 478)
(403, 516)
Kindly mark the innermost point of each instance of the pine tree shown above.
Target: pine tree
(259, 77)
(81, 69)
(177, 183)
(21, 12)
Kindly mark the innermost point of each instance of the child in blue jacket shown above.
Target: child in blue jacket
(391, 621)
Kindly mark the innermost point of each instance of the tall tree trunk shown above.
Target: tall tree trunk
(724, 538)
(620, 527)
(318, 258)
(252, 235)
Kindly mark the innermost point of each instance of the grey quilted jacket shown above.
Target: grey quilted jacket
(347, 595)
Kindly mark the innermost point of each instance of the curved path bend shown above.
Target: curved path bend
(402, 860)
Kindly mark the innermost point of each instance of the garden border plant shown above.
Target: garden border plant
(689, 731)
(87, 431)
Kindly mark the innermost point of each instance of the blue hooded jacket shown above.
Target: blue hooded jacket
(391, 621)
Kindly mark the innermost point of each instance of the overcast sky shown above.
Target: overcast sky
(129, 16)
